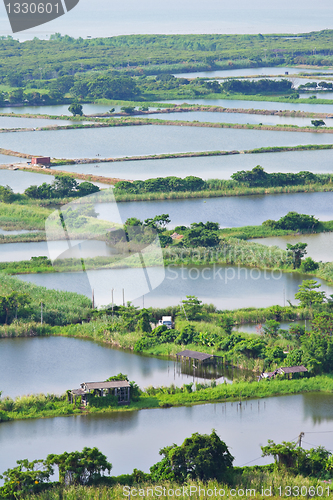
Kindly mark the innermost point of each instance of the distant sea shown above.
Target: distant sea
(103, 18)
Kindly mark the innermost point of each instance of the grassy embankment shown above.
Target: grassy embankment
(126, 121)
(248, 481)
(232, 251)
(41, 406)
(60, 308)
(192, 154)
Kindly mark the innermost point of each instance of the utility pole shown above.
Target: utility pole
(93, 299)
(143, 301)
(112, 301)
(123, 297)
(184, 312)
(41, 313)
(301, 435)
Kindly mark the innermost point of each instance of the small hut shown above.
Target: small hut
(118, 388)
(290, 370)
(40, 160)
(202, 357)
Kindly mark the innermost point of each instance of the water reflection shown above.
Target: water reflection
(133, 439)
(208, 167)
(318, 408)
(152, 139)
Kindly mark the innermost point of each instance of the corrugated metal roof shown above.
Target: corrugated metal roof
(78, 392)
(293, 369)
(106, 385)
(195, 355)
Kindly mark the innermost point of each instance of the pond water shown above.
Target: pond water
(21, 231)
(258, 328)
(51, 365)
(58, 109)
(14, 252)
(5, 159)
(229, 211)
(217, 117)
(320, 246)
(19, 180)
(209, 167)
(265, 71)
(12, 122)
(271, 105)
(319, 95)
(227, 287)
(150, 139)
(133, 439)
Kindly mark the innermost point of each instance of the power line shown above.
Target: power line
(251, 461)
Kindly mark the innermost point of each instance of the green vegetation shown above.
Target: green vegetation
(263, 86)
(76, 109)
(242, 183)
(14, 216)
(318, 123)
(201, 464)
(76, 62)
(62, 187)
(23, 301)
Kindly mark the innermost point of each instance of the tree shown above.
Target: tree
(80, 467)
(295, 459)
(26, 478)
(296, 252)
(227, 324)
(86, 188)
(159, 222)
(192, 307)
(11, 306)
(294, 222)
(318, 123)
(6, 194)
(76, 109)
(187, 335)
(308, 265)
(307, 294)
(129, 110)
(200, 457)
(322, 323)
(64, 185)
(271, 328)
(255, 177)
(202, 235)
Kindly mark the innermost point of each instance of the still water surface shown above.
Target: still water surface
(13, 122)
(271, 105)
(133, 439)
(229, 211)
(14, 252)
(227, 287)
(217, 117)
(265, 71)
(58, 109)
(320, 246)
(19, 180)
(209, 167)
(54, 364)
(150, 139)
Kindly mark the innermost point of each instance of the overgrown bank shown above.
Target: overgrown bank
(42, 406)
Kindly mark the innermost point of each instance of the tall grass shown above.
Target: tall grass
(59, 308)
(258, 478)
(14, 216)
